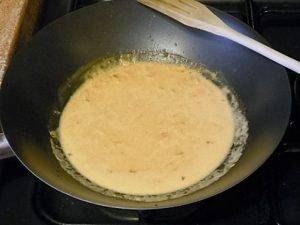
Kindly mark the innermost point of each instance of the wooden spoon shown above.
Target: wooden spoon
(194, 14)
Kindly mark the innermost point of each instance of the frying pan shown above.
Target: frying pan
(30, 87)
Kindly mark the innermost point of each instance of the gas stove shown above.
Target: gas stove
(270, 196)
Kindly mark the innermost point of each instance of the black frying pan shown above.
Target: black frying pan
(30, 87)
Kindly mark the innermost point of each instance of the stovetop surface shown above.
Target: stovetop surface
(271, 196)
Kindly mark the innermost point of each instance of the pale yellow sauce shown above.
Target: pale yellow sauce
(146, 128)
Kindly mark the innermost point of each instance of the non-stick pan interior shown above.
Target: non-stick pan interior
(31, 84)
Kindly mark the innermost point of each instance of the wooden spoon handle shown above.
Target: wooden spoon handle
(262, 49)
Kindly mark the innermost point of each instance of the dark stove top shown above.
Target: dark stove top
(271, 196)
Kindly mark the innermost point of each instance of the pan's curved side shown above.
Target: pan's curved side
(30, 86)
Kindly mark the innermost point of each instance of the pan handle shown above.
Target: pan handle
(5, 150)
